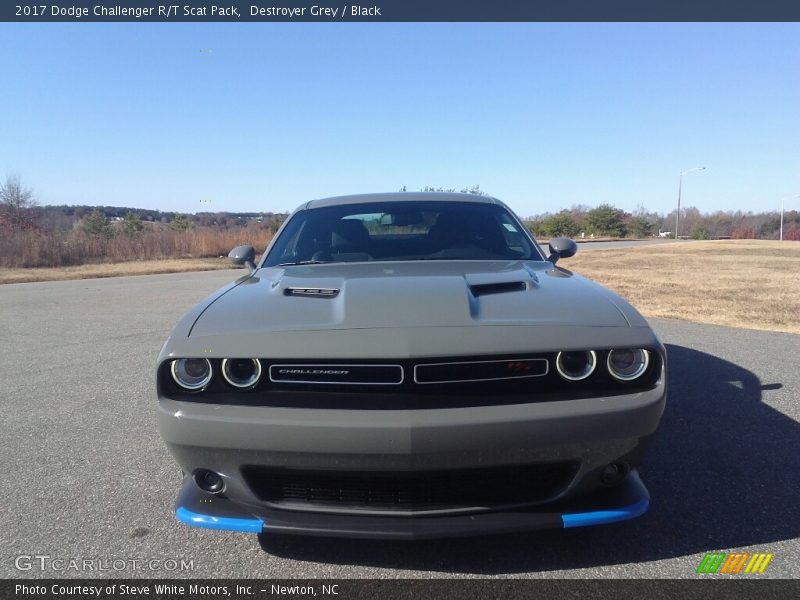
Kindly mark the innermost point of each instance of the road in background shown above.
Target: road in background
(589, 245)
(85, 474)
(584, 245)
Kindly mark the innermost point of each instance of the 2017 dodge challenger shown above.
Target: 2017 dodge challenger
(409, 366)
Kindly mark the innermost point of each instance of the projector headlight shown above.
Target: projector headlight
(242, 373)
(192, 374)
(575, 366)
(628, 364)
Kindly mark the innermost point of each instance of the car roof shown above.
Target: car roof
(401, 197)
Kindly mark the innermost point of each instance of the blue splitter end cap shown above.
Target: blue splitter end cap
(599, 517)
(225, 523)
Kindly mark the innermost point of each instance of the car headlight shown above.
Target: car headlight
(241, 373)
(628, 364)
(577, 365)
(192, 374)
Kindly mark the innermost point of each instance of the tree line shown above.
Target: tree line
(56, 236)
(609, 221)
(19, 211)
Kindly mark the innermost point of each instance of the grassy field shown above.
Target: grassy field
(740, 283)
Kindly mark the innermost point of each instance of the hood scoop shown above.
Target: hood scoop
(311, 292)
(484, 289)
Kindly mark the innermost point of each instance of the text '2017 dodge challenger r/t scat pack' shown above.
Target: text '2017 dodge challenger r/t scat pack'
(409, 366)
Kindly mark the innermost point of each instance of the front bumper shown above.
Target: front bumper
(591, 430)
(590, 433)
(199, 509)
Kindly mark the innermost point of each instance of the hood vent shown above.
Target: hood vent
(311, 292)
(484, 289)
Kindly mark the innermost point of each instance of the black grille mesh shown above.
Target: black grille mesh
(410, 490)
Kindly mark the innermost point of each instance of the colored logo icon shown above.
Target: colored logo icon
(734, 563)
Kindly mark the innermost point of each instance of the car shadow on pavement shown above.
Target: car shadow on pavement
(722, 473)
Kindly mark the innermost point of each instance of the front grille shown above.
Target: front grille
(409, 490)
(481, 370)
(332, 374)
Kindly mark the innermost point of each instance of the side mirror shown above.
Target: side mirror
(244, 255)
(561, 247)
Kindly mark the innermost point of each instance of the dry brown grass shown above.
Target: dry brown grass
(740, 283)
(141, 267)
(24, 249)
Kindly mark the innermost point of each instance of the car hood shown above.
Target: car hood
(409, 295)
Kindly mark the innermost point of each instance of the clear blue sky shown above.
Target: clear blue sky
(253, 117)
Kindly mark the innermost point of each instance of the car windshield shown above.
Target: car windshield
(397, 231)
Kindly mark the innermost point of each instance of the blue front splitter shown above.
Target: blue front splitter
(199, 509)
(194, 519)
(601, 517)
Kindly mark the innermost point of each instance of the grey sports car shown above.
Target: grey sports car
(409, 366)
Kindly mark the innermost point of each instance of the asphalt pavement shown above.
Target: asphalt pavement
(589, 245)
(85, 475)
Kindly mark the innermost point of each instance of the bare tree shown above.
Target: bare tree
(16, 202)
(14, 195)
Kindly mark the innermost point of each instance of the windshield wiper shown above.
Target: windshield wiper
(304, 262)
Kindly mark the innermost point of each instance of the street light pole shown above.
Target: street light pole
(678, 212)
(680, 184)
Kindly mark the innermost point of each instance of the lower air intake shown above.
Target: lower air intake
(410, 490)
